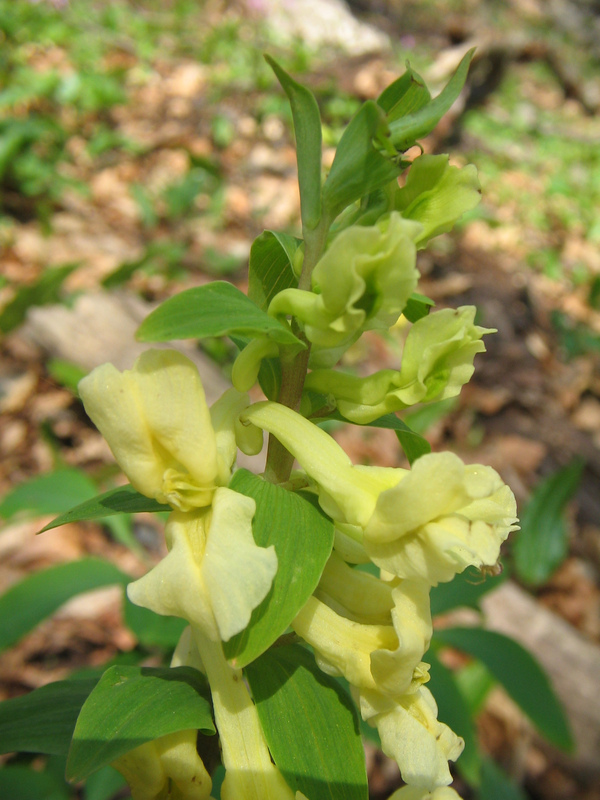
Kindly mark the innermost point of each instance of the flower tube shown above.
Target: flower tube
(249, 772)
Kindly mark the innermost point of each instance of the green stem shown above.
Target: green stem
(294, 367)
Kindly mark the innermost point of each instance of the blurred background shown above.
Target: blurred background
(144, 145)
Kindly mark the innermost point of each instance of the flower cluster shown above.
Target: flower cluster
(421, 527)
(418, 526)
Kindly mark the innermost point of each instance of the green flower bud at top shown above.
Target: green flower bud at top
(437, 195)
(158, 426)
(412, 735)
(214, 574)
(362, 282)
(440, 518)
(436, 363)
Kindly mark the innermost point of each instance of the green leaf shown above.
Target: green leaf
(310, 725)
(43, 721)
(418, 306)
(465, 590)
(358, 168)
(406, 95)
(406, 130)
(307, 127)
(21, 783)
(123, 500)
(270, 269)
(413, 444)
(215, 309)
(133, 705)
(48, 494)
(303, 538)
(475, 682)
(106, 784)
(454, 711)
(150, 629)
(519, 673)
(542, 543)
(45, 291)
(496, 785)
(38, 596)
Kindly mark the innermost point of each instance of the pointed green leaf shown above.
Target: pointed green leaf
(406, 130)
(123, 500)
(38, 596)
(542, 543)
(519, 673)
(270, 269)
(215, 309)
(303, 538)
(307, 127)
(358, 168)
(413, 444)
(454, 711)
(48, 494)
(133, 705)
(310, 725)
(406, 95)
(418, 306)
(43, 721)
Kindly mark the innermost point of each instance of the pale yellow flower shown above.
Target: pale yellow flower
(214, 574)
(412, 735)
(379, 656)
(427, 523)
(169, 767)
(440, 518)
(159, 428)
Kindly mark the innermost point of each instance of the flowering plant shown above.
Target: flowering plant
(305, 592)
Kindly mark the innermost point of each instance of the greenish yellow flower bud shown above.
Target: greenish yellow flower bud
(214, 574)
(412, 735)
(440, 518)
(158, 426)
(362, 282)
(436, 363)
(168, 768)
(437, 195)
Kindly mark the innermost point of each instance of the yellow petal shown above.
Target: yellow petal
(412, 735)
(156, 421)
(214, 574)
(237, 573)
